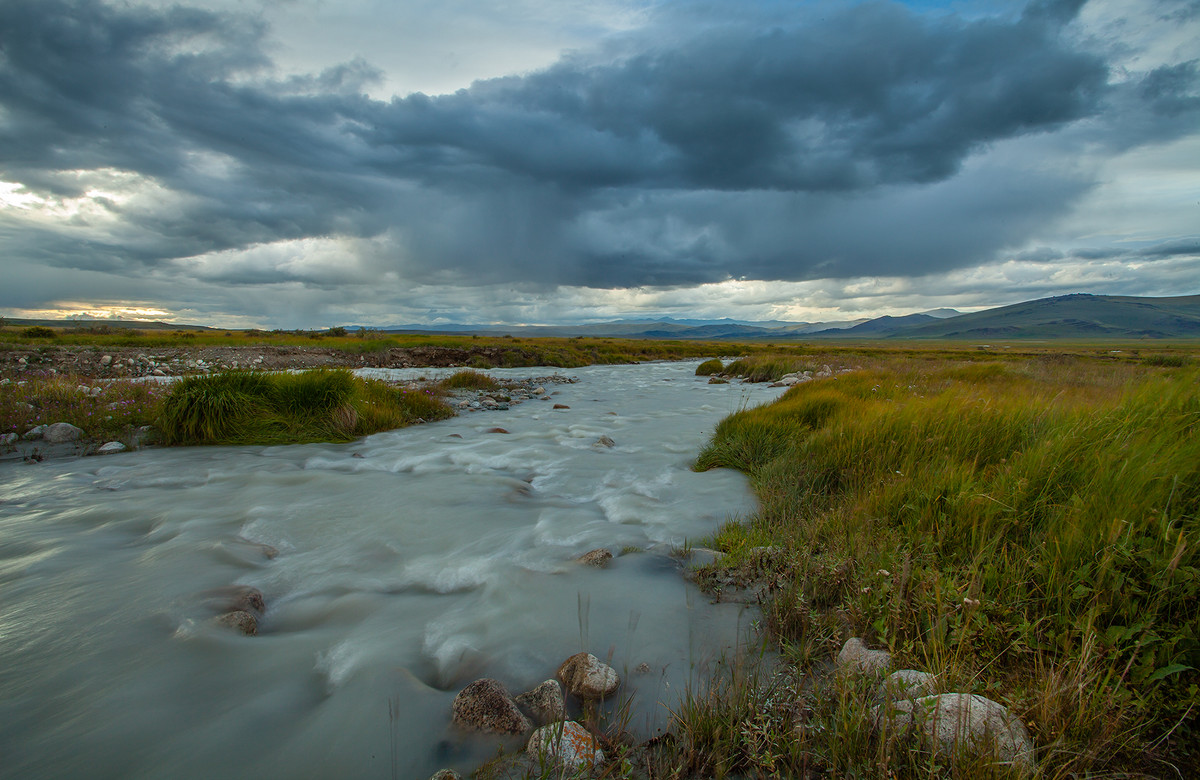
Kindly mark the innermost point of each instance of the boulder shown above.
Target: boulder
(110, 447)
(237, 598)
(568, 744)
(61, 432)
(586, 677)
(561, 406)
(7, 439)
(908, 684)
(856, 657)
(604, 441)
(598, 557)
(35, 432)
(496, 430)
(239, 620)
(544, 704)
(949, 722)
(485, 705)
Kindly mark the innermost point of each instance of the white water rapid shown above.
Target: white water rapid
(409, 563)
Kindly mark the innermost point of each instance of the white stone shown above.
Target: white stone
(567, 743)
(951, 721)
(856, 657)
(909, 684)
(61, 432)
(111, 447)
(585, 676)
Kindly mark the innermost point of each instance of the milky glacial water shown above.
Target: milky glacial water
(409, 563)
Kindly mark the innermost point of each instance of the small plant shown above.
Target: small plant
(39, 332)
(710, 367)
(469, 379)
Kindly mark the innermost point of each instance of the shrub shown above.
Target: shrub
(39, 332)
(710, 367)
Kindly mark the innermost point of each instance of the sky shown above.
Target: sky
(312, 163)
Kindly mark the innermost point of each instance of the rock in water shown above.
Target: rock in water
(544, 704)
(856, 657)
(586, 677)
(598, 557)
(951, 721)
(567, 744)
(111, 447)
(445, 774)
(604, 441)
(485, 705)
(240, 620)
(61, 432)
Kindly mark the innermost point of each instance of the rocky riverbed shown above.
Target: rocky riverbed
(90, 362)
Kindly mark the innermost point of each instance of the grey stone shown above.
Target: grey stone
(598, 557)
(544, 704)
(568, 744)
(61, 432)
(239, 620)
(7, 439)
(950, 722)
(110, 447)
(856, 657)
(485, 705)
(586, 677)
(909, 684)
(35, 432)
(445, 774)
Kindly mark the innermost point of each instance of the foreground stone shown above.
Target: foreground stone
(598, 557)
(61, 433)
(544, 704)
(485, 705)
(568, 744)
(950, 722)
(586, 677)
(856, 657)
(111, 447)
(239, 620)
(908, 684)
(445, 774)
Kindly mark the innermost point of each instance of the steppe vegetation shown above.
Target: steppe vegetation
(256, 407)
(1025, 527)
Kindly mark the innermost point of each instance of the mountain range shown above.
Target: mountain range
(1078, 316)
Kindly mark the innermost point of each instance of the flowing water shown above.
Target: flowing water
(409, 563)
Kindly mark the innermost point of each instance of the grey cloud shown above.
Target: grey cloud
(794, 149)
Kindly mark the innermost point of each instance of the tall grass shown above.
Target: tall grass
(1028, 535)
(248, 407)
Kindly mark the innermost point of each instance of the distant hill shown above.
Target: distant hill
(102, 324)
(1078, 316)
(880, 326)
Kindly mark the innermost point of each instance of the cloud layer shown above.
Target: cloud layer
(159, 146)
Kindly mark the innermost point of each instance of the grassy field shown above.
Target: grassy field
(1024, 526)
(490, 352)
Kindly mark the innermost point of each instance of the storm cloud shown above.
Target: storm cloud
(834, 142)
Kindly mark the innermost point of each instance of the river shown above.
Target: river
(409, 563)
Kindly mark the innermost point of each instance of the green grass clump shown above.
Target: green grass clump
(1029, 535)
(249, 407)
(710, 367)
(469, 379)
(766, 368)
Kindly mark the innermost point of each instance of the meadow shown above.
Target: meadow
(1022, 526)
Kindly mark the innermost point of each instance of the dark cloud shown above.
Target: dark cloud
(817, 146)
